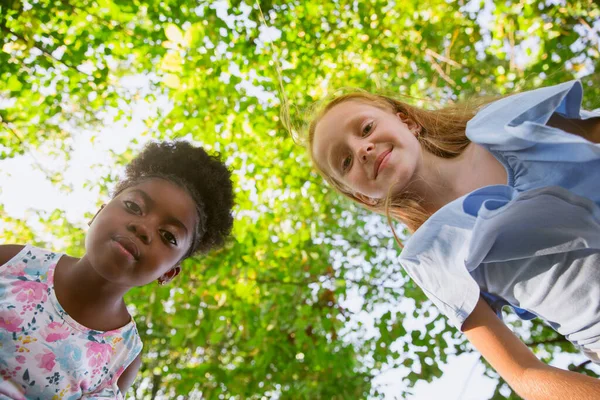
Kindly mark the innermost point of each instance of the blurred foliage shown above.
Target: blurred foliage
(266, 317)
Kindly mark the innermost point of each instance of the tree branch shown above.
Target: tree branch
(23, 145)
(560, 339)
(307, 282)
(442, 58)
(39, 47)
(442, 74)
(109, 24)
(581, 366)
(294, 283)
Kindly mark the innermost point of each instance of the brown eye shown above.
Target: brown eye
(133, 207)
(346, 163)
(169, 237)
(367, 129)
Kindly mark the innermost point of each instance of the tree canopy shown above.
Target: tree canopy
(268, 316)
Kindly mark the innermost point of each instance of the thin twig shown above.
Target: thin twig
(285, 110)
(465, 384)
(26, 147)
(511, 38)
(449, 48)
(294, 283)
(109, 24)
(441, 72)
(592, 36)
(549, 341)
(43, 51)
(581, 366)
(443, 58)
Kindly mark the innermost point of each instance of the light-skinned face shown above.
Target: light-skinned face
(367, 149)
(142, 233)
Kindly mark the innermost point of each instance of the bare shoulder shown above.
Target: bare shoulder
(8, 251)
(587, 128)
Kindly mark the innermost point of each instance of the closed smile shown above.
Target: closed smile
(379, 161)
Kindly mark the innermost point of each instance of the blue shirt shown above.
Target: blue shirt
(534, 243)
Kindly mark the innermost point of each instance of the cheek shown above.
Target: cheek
(352, 179)
(86, 242)
(106, 223)
(411, 147)
(408, 139)
(357, 182)
(93, 233)
(163, 258)
(416, 151)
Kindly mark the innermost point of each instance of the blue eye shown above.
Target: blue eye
(133, 207)
(169, 237)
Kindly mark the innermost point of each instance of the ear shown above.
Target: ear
(365, 199)
(169, 275)
(410, 123)
(95, 215)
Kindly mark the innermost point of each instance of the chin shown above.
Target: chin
(106, 264)
(107, 271)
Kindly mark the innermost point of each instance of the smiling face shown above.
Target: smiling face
(142, 234)
(367, 149)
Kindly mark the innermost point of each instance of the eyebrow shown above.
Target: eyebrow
(170, 219)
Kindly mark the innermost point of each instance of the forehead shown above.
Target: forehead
(168, 198)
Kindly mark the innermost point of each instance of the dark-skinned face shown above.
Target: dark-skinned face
(142, 234)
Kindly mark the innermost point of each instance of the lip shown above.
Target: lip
(127, 245)
(379, 161)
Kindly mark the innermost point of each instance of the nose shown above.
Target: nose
(141, 231)
(365, 151)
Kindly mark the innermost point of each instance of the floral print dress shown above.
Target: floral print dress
(43, 349)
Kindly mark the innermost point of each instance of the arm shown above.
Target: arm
(109, 392)
(11, 390)
(528, 376)
(128, 376)
(586, 128)
(8, 251)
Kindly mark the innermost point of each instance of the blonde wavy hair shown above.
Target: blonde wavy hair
(442, 134)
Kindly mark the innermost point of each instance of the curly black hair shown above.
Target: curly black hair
(204, 176)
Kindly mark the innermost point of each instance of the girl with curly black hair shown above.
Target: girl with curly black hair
(64, 328)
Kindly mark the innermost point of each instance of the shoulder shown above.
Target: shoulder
(519, 103)
(535, 106)
(434, 257)
(133, 357)
(27, 259)
(439, 235)
(9, 251)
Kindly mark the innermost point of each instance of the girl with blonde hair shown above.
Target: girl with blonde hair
(503, 201)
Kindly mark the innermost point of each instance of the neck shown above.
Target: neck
(87, 297)
(442, 180)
